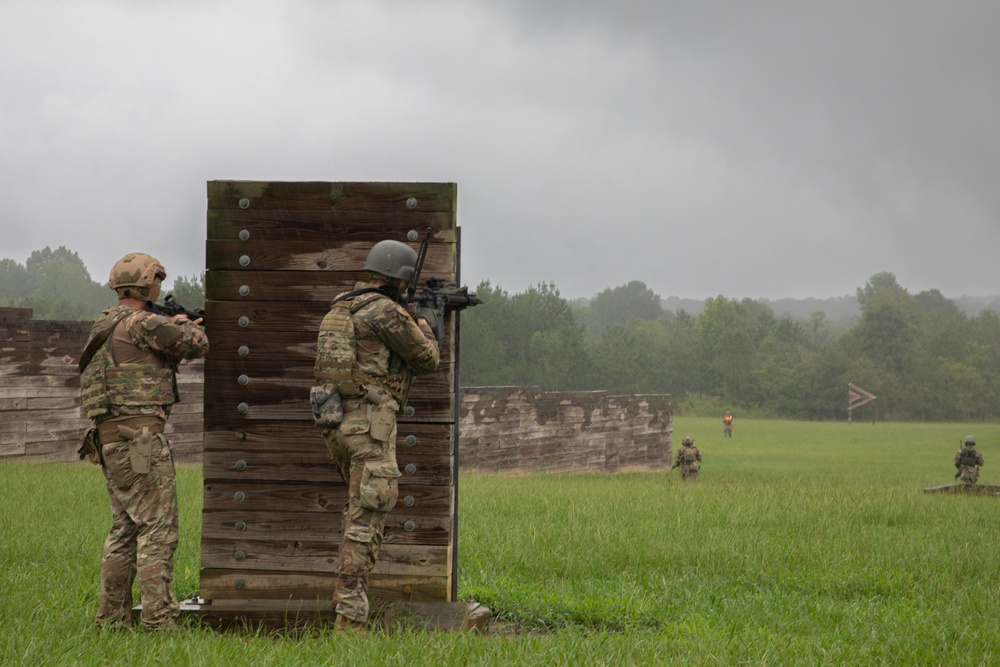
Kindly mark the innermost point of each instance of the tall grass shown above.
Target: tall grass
(803, 543)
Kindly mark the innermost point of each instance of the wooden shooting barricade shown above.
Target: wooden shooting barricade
(276, 255)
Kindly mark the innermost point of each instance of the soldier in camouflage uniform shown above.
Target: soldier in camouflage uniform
(368, 349)
(968, 461)
(128, 386)
(688, 458)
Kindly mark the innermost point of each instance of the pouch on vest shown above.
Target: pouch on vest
(326, 406)
(90, 449)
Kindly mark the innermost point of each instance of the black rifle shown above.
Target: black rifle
(411, 289)
(172, 306)
(437, 295)
(442, 297)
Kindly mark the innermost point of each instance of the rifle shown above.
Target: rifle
(172, 306)
(440, 296)
(411, 289)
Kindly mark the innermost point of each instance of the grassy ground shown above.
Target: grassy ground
(803, 543)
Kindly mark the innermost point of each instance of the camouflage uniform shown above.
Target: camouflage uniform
(968, 460)
(688, 458)
(390, 347)
(128, 385)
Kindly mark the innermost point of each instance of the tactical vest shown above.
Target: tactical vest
(336, 353)
(967, 457)
(689, 455)
(135, 389)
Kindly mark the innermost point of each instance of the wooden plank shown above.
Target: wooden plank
(271, 351)
(267, 585)
(430, 404)
(390, 616)
(283, 286)
(341, 263)
(319, 555)
(319, 227)
(317, 466)
(266, 384)
(400, 527)
(443, 616)
(426, 438)
(340, 196)
(295, 496)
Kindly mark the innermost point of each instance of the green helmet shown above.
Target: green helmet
(394, 259)
(969, 440)
(687, 441)
(137, 270)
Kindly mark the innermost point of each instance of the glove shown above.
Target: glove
(431, 316)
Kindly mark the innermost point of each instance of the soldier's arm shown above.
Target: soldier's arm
(181, 339)
(414, 343)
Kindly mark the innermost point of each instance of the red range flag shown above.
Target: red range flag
(856, 396)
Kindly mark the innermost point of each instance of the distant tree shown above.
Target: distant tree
(55, 284)
(617, 305)
(726, 348)
(879, 285)
(15, 283)
(190, 291)
(527, 338)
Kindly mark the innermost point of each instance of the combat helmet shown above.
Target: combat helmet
(394, 259)
(969, 440)
(137, 270)
(687, 441)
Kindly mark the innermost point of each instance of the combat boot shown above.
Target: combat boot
(347, 626)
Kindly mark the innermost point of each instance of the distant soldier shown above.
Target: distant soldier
(128, 386)
(689, 459)
(968, 461)
(368, 350)
(727, 425)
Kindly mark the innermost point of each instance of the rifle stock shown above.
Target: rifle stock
(172, 306)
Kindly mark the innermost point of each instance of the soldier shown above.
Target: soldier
(968, 461)
(369, 347)
(688, 458)
(128, 385)
(727, 425)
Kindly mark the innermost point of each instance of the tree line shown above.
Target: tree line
(919, 353)
(56, 285)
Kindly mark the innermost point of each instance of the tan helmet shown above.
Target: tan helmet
(969, 440)
(137, 270)
(394, 259)
(687, 441)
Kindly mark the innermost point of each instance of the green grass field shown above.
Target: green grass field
(803, 543)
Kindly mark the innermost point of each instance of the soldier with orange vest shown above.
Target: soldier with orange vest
(727, 425)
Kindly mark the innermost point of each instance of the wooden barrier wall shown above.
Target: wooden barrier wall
(522, 429)
(40, 414)
(276, 255)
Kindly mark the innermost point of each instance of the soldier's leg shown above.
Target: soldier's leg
(118, 560)
(372, 493)
(156, 513)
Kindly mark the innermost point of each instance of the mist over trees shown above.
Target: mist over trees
(56, 285)
(920, 354)
(926, 357)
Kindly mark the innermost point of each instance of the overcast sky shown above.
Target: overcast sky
(748, 149)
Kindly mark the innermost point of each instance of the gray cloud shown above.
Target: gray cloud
(744, 149)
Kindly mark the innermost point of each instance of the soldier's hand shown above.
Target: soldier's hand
(430, 315)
